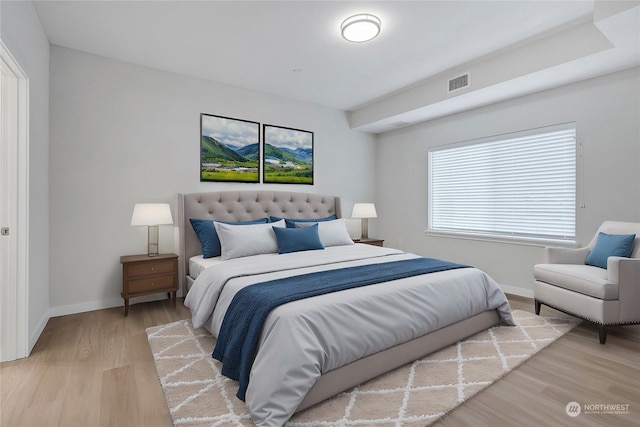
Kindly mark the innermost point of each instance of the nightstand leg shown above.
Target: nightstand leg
(126, 307)
(175, 297)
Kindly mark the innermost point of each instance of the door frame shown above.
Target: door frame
(14, 180)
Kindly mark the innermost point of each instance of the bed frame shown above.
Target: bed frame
(248, 205)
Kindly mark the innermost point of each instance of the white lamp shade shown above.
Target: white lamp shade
(364, 210)
(151, 214)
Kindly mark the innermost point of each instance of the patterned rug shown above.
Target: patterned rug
(417, 394)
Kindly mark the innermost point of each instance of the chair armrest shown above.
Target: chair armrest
(626, 273)
(623, 270)
(553, 255)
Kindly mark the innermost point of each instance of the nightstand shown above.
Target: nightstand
(373, 242)
(145, 275)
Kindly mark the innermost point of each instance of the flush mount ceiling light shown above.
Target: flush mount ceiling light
(360, 28)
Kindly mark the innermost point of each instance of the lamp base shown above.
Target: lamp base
(152, 240)
(365, 228)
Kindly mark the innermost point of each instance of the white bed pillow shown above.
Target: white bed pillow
(332, 233)
(238, 241)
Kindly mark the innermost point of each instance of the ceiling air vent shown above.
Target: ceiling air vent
(459, 82)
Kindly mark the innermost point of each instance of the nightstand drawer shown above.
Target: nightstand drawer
(148, 284)
(147, 268)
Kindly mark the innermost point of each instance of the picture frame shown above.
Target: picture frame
(287, 155)
(229, 149)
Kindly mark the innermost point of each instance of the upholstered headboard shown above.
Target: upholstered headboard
(243, 206)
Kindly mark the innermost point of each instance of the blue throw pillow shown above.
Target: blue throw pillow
(297, 239)
(206, 232)
(610, 245)
(327, 218)
(291, 223)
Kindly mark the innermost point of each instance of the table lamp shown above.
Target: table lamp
(364, 211)
(152, 215)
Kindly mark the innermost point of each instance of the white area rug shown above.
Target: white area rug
(417, 394)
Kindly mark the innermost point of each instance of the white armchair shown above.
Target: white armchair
(607, 297)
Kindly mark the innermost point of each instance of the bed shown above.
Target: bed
(305, 353)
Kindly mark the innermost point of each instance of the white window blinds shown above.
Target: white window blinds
(517, 185)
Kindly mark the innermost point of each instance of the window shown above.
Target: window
(520, 185)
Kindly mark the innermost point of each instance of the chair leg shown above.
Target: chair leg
(603, 333)
(537, 306)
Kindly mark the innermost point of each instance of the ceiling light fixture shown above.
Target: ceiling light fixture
(360, 28)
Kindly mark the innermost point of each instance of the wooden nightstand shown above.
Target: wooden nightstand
(374, 242)
(145, 275)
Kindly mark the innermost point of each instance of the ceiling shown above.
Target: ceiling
(294, 48)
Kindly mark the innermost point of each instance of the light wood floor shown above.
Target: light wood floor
(96, 369)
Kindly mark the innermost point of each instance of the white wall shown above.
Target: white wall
(122, 134)
(109, 134)
(607, 115)
(24, 37)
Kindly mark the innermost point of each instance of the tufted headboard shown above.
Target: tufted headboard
(242, 206)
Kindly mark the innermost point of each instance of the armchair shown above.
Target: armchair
(607, 297)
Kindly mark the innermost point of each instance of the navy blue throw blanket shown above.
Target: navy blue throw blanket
(242, 324)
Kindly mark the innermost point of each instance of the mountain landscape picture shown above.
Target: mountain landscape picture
(287, 155)
(229, 149)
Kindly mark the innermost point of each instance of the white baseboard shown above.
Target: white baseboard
(64, 310)
(517, 290)
(35, 335)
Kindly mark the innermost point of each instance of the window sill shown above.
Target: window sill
(523, 241)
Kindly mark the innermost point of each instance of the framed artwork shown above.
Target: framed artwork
(229, 149)
(287, 155)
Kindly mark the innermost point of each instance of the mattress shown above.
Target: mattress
(198, 264)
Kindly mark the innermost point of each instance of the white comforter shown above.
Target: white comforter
(304, 339)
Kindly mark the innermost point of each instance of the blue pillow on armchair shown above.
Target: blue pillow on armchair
(610, 245)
